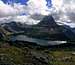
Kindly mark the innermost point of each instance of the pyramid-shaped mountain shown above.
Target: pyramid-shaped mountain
(47, 21)
(46, 29)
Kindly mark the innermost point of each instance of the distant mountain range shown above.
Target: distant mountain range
(46, 29)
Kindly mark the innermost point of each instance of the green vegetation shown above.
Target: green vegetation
(15, 55)
(62, 57)
(12, 55)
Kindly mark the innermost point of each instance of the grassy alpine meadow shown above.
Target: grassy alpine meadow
(28, 55)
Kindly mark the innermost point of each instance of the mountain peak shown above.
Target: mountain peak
(47, 21)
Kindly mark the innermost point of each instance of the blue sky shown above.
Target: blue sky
(24, 1)
(17, 1)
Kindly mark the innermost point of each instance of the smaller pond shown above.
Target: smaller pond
(37, 41)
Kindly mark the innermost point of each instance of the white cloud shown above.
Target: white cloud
(64, 11)
(7, 10)
(38, 6)
(25, 19)
(13, 12)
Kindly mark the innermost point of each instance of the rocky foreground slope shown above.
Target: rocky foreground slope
(36, 55)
